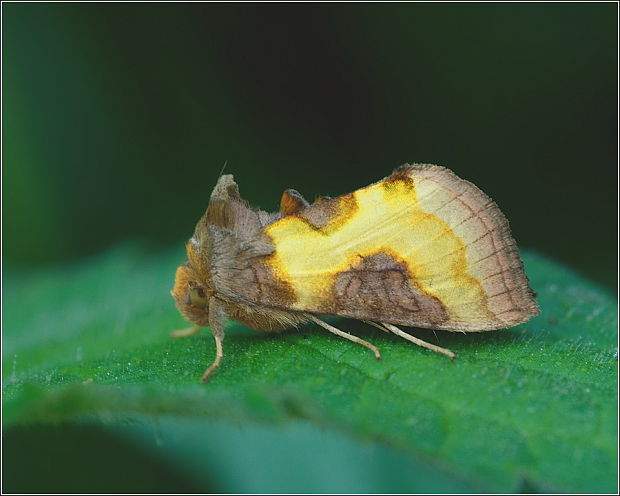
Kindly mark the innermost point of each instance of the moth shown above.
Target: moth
(420, 248)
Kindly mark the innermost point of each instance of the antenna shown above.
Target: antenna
(222, 170)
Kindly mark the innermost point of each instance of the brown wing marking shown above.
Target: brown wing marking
(250, 291)
(327, 216)
(380, 287)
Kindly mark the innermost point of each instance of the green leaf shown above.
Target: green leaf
(529, 408)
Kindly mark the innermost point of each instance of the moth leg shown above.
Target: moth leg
(374, 324)
(184, 333)
(346, 335)
(219, 353)
(216, 322)
(418, 341)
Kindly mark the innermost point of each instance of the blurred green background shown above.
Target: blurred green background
(117, 119)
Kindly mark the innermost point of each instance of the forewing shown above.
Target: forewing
(421, 248)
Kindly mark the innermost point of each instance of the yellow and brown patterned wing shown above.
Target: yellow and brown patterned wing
(421, 248)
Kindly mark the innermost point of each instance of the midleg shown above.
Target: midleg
(345, 335)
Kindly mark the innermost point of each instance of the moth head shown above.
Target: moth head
(191, 296)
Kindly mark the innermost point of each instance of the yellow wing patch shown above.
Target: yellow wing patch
(445, 233)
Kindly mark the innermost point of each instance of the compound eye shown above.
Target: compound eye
(198, 298)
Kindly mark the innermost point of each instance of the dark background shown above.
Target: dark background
(118, 117)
